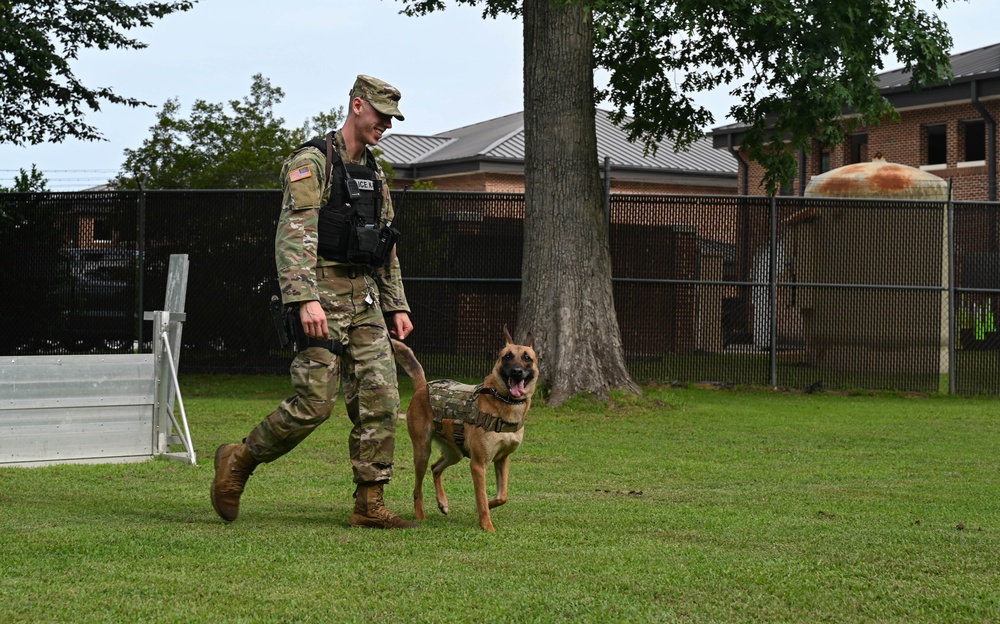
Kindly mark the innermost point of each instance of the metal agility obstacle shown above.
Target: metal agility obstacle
(57, 409)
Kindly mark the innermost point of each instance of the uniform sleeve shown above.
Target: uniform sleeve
(390, 279)
(296, 237)
(390, 284)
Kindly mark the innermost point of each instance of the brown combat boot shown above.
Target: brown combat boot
(371, 512)
(233, 466)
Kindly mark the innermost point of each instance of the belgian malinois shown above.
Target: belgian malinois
(484, 423)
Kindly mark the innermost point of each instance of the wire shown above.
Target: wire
(77, 180)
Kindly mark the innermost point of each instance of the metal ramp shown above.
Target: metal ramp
(99, 408)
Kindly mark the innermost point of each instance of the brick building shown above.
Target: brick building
(489, 156)
(947, 129)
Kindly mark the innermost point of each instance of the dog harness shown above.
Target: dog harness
(454, 404)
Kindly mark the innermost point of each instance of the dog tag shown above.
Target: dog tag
(368, 299)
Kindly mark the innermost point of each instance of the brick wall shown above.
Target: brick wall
(905, 142)
(651, 188)
(514, 183)
(673, 329)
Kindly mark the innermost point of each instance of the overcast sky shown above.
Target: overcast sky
(453, 67)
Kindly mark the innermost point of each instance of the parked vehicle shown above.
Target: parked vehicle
(98, 293)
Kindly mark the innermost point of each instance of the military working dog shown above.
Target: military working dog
(484, 423)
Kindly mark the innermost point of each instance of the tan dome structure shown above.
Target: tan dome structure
(900, 243)
(878, 179)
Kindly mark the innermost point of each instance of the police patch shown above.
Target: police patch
(366, 185)
(300, 174)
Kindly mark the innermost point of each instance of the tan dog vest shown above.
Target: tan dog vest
(454, 404)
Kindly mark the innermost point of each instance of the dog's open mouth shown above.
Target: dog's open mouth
(516, 388)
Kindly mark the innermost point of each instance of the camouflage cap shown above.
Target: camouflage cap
(380, 94)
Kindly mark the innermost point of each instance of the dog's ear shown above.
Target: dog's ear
(506, 335)
(529, 340)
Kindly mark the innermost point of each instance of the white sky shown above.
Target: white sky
(453, 67)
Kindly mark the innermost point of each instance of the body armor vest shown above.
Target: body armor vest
(350, 227)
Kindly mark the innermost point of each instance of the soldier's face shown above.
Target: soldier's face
(372, 124)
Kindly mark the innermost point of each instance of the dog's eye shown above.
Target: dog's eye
(526, 358)
(508, 357)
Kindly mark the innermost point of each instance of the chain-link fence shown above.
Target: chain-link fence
(794, 292)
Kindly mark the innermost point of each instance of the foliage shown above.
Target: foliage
(215, 149)
(796, 65)
(423, 185)
(678, 506)
(42, 100)
(24, 182)
(387, 168)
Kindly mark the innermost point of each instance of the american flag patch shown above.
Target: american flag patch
(300, 174)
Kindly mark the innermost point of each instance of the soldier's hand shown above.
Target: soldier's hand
(401, 326)
(314, 320)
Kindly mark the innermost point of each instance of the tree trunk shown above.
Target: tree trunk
(566, 296)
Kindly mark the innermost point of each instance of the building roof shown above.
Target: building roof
(974, 64)
(500, 142)
(976, 73)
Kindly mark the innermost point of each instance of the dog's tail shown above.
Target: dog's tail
(406, 359)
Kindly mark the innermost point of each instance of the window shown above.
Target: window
(859, 148)
(819, 158)
(937, 144)
(975, 140)
(103, 232)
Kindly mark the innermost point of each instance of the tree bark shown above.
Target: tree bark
(566, 296)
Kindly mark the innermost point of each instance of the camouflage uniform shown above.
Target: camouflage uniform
(367, 366)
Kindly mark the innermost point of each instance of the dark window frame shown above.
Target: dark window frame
(974, 141)
(858, 141)
(936, 144)
(104, 231)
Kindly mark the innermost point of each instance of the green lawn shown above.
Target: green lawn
(685, 505)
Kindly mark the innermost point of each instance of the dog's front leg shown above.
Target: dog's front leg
(502, 468)
(479, 485)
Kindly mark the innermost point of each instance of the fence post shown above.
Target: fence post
(773, 294)
(952, 320)
(607, 192)
(140, 264)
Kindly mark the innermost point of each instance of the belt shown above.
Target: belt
(342, 270)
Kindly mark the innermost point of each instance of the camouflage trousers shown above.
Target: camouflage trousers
(368, 373)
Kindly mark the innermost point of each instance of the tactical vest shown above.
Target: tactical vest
(454, 404)
(350, 229)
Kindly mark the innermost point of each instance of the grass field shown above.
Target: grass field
(684, 505)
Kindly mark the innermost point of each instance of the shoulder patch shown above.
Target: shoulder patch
(299, 174)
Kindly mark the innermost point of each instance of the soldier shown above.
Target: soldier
(337, 265)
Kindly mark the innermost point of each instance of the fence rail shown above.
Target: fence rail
(795, 292)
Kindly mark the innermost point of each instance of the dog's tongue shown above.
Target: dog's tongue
(517, 389)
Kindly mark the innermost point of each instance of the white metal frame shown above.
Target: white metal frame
(99, 408)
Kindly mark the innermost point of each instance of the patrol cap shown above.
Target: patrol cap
(380, 94)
